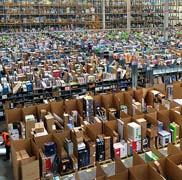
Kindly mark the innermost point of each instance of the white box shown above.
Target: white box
(123, 151)
(30, 117)
(120, 149)
(117, 149)
(138, 146)
(14, 133)
(164, 138)
(134, 131)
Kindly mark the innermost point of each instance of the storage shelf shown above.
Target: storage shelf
(13, 14)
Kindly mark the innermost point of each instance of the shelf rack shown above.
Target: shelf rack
(89, 14)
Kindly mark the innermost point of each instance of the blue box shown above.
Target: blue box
(5, 89)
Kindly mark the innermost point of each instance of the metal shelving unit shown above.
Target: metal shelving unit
(89, 14)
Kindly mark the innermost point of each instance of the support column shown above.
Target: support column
(166, 19)
(134, 76)
(128, 16)
(103, 15)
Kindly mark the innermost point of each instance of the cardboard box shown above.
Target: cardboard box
(25, 163)
(43, 113)
(143, 123)
(152, 132)
(144, 172)
(29, 169)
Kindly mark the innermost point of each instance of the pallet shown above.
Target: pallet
(86, 167)
(107, 161)
(177, 142)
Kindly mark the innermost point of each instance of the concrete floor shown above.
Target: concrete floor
(5, 169)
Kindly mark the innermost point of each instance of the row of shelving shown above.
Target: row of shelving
(102, 14)
(38, 95)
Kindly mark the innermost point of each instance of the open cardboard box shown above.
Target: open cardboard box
(152, 132)
(39, 141)
(138, 114)
(97, 101)
(177, 118)
(111, 116)
(93, 130)
(123, 98)
(137, 160)
(76, 138)
(160, 167)
(110, 128)
(31, 110)
(40, 107)
(100, 174)
(172, 163)
(121, 172)
(164, 117)
(108, 102)
(139, 94)
(177, 89)
(168, 116)
(150, 96)
(26, 169)
(174, 105)
(171, 149)
(143, 172)
(74, 104)
(58, 108)
(13, 115)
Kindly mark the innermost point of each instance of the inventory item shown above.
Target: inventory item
(68, 146)
(50, 148)
(150, 156)
(164, 138)
(134, 131)
(100, 149)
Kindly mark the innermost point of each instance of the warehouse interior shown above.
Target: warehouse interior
(90, 89)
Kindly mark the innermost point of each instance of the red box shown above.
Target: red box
(56, 73)
(134, 146)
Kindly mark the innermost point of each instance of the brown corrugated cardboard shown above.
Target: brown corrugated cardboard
(164, 117)
(93, 130)
(58, 108)
(49, 122)
(29, 170)
(144, 172)
(171, 149)
(177, 89)
(128, 103)
(99, 171)
(143, 123)
(28, 111)
(28, 146)
(13, 115)
(172, 163)
(40, 107)
(43, 113)
(137, 160)
(28, 128)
